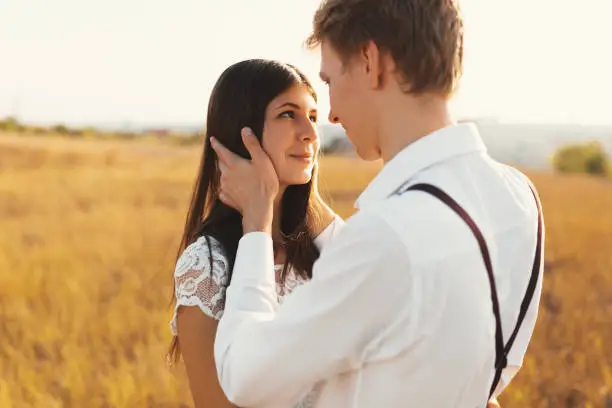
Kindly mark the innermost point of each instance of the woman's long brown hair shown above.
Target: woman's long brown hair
(240, 98)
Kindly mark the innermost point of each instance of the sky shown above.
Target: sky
(154, 62)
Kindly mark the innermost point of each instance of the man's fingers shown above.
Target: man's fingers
(493, 403)
(222, 166)
(224, 154)
(225, 199)
(252, 143)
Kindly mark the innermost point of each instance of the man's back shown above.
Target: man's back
(399, 311)
(438, 349)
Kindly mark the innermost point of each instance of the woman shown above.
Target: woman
(279, 104)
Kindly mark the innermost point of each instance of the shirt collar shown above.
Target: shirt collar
(436, 147)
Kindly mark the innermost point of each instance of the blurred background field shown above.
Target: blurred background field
(87, 247)
(102, 108)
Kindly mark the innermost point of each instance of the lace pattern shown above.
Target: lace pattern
(197, 285)
(194, 283)
(283, 289)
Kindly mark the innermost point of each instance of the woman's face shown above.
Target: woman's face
(290, 137)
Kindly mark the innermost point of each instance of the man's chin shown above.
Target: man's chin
(368, 155)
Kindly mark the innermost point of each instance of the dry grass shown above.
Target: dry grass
(87, 246)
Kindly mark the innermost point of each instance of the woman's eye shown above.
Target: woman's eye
(313, 118)
(287, 114)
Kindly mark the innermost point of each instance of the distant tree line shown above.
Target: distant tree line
(11, 125)
(590, 158)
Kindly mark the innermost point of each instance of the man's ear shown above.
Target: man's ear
(374, 63)
(379, 64)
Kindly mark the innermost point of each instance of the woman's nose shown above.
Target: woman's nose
(309, 132)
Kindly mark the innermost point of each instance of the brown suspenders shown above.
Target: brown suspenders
(501, 350)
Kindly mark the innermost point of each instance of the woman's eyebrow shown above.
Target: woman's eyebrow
(294, 106)
(289, 104)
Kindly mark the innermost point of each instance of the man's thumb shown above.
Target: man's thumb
(251, 143)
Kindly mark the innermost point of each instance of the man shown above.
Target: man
(416, 301)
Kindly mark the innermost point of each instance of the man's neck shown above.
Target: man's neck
(409, 118)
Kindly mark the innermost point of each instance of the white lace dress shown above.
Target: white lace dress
(196, 285)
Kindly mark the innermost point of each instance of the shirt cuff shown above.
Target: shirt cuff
(253, 282)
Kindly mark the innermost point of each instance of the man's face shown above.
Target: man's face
(350, 101)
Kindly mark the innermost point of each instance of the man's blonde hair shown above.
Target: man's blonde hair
(424, 37)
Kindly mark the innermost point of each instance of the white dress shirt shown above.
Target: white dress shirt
(398, 313)
(197, 285)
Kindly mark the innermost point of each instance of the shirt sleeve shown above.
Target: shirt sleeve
(519, 348)
(315, 334)
(329, 232)
(196, 284)
(523, 337)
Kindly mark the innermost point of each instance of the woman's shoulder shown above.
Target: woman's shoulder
(200, 254)
(201, 277)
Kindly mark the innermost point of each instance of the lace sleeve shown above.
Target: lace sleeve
(194, 282)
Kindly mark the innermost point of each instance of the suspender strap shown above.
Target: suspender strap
(533, 280)
(501, 350)
(500, 355)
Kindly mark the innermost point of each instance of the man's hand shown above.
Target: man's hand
(249, 186)
(493, 403)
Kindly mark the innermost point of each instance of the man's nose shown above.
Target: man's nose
(333, 118)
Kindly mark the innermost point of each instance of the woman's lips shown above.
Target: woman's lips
(305, 158)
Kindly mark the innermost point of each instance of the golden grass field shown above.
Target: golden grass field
(87, 248)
